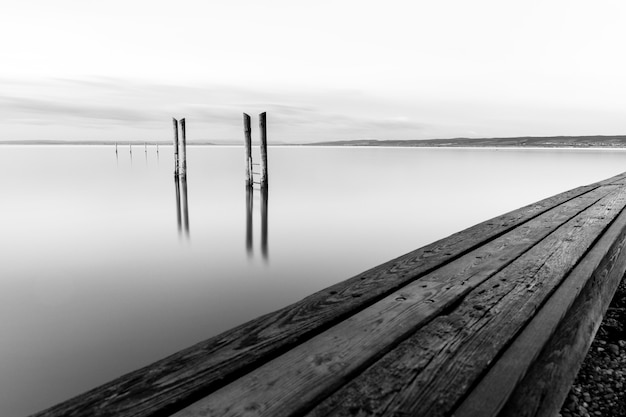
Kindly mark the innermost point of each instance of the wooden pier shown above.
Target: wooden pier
(491, 321)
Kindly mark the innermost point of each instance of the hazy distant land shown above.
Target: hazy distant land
(515, 142)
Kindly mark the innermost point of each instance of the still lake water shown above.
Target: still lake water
(101, 274)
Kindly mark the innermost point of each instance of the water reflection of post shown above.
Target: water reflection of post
(249, 222)
(178, 214)
(249, 205)
(264, 221)
(184, 204)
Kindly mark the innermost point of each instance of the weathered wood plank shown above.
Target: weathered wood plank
(542, 392)
(615, 180)
(584, 297)
(304, 375)
(190, 374)
(429, 372)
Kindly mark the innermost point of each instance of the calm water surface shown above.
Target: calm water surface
(103, 271)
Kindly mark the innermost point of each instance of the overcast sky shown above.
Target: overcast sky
(323, 70)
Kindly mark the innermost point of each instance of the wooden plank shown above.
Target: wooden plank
(188, 375)
(547, 383)
(583, 297)
(615, 180)
(429, 372)
(304, 375)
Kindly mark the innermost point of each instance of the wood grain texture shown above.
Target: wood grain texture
(180, 379)
(544, 388)
(593, 280)
(434, 368)
(304, 375)
(619, 179)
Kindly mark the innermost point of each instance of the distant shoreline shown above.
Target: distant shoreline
(514, 142)
(581, 142)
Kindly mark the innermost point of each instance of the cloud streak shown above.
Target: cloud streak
(112, 105)
(47, 109)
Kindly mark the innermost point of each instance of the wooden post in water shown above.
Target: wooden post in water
(248, 145)
(183, 149)
(263, 133)
(175, 122)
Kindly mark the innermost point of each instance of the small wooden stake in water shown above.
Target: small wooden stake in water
(263, 129)
(248, 145)
(183, 149)
(175, 122)
(115, 148)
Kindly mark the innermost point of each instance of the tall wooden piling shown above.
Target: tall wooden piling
(248, 145)
(175, 123)
(263, 134)
(183, 149)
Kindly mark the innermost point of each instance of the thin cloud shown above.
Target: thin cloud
(215, 111)
(34, 107)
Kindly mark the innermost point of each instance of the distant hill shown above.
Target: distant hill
(517, 142)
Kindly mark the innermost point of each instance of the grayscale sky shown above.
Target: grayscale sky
(323, 70)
